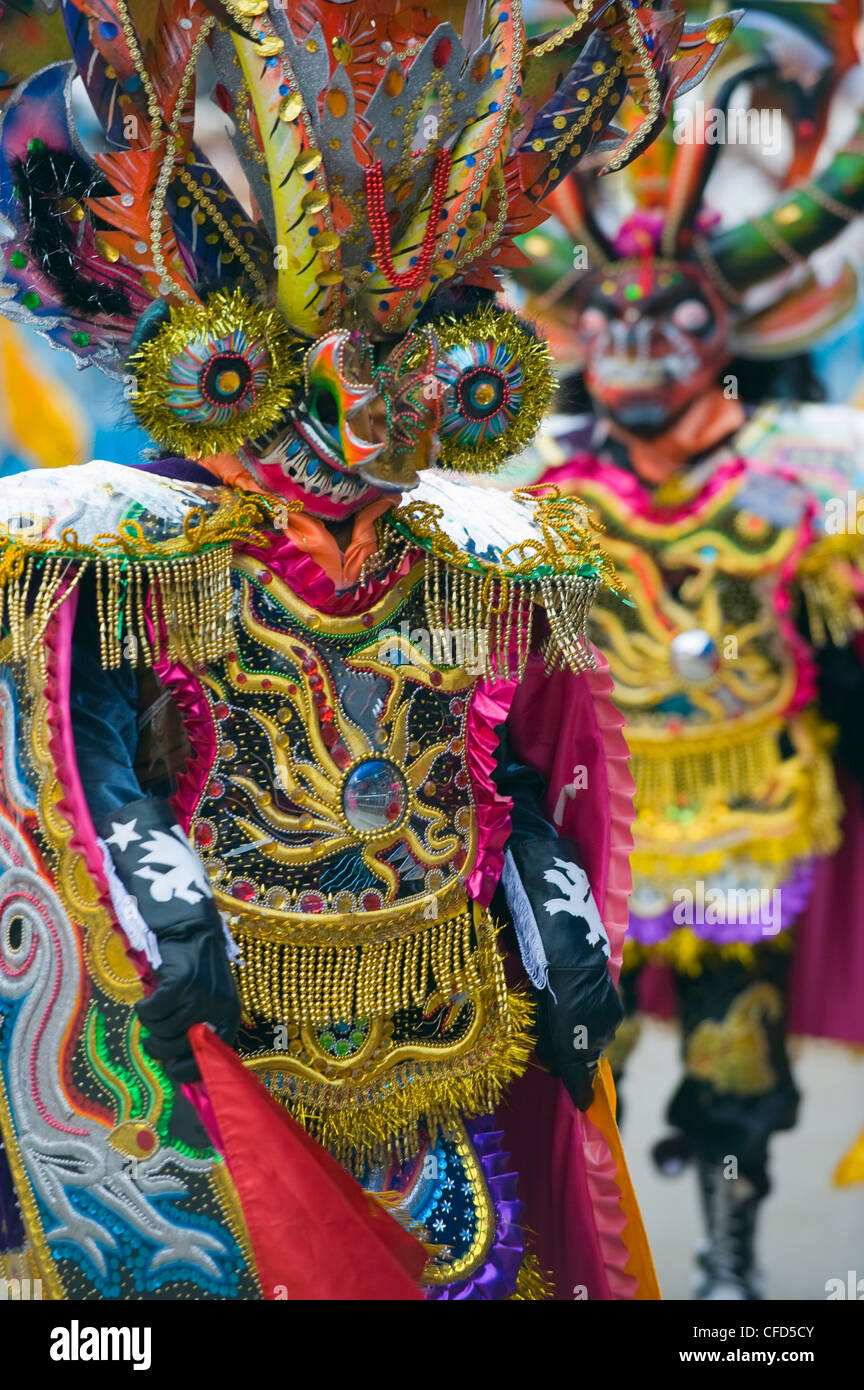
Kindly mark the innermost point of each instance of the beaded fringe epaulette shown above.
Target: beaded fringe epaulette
(187, 578)
(560, 568)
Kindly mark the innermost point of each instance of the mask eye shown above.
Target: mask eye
(592, 322)
(496, 382)
(691, 315)
(215, 375)
(324, 408)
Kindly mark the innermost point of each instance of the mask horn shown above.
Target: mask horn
(693, 162)
(804, 219)
(571, 204)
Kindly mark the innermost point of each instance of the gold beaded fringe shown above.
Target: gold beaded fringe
(484, 623)
(190, 605)
(532, 1285)
(365, 1123)
(319, 984)
(663, 771)
(368, 1119)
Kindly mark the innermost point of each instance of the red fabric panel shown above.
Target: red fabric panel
(316, 1234)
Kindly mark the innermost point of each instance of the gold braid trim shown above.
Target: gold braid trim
(568, 543)
(563, 35)
(188, 578)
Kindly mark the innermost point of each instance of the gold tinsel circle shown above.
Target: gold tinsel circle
(192, 324)
(531, 353)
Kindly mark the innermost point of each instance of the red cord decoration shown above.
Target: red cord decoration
(380, 226)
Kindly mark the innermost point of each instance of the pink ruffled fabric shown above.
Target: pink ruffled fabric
(61, 741)
(307, 579)
(73, 805)
(565, 721)
(558, 722)
(620, 792)
(489, 708)
(197, 717)
(547, 1148)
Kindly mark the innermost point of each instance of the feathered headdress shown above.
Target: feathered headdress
(383, 152)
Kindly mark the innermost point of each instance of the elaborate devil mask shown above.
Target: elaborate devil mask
(653, 336)
(645, 287)
(318, 301)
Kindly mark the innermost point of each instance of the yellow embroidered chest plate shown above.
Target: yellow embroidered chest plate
(701, 644)
(706, 661)
(338, 828)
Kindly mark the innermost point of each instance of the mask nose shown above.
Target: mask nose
(633, 338)
(371, 413)
(408, 409)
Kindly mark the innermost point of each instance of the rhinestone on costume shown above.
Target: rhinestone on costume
(694, 655)
(375, 796)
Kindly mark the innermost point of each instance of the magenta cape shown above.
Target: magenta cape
(578, 1200)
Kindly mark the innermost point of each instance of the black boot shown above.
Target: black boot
(726, 1263)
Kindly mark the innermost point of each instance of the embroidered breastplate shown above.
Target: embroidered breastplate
(338, 828)
(708, 665)
(340, 790)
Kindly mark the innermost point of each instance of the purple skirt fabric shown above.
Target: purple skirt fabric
(793, 898)
(496, 1278)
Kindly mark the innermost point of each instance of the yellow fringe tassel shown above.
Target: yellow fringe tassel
(485, 622)
(696, 769)
(532, 1285)
(190, 598)
(830, 577)
(188, 578)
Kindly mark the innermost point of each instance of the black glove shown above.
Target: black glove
(559, 927)
(157, 866)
